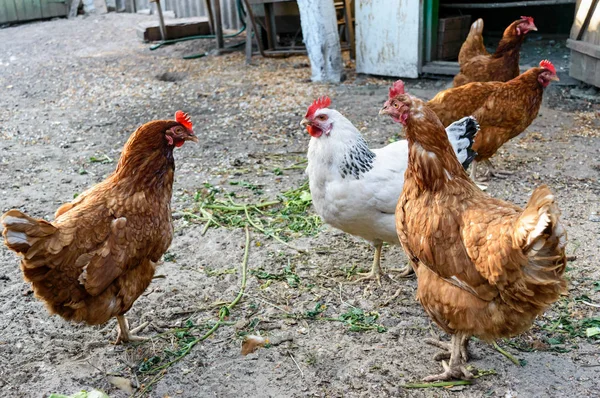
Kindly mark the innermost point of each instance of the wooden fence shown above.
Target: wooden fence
(585, 42)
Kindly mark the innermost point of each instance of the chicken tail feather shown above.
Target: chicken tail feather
(462, 135)
(540, 235)
(22, 233)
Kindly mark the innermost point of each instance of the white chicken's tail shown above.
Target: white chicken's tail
(540, 235)
(462, 135)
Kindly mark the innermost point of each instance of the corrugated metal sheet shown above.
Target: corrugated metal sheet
(196, 8)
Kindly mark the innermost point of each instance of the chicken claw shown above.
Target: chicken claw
(127, 336)
(451, 372)
(492, 171)
(403, 272)
(457, 352)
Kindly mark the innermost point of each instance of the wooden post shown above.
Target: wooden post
(319, 30)
(348, 19)
(161, 20)
(211, 20)
(248, 38)
(218, 24)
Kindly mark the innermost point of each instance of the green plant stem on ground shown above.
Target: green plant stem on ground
(223, 312)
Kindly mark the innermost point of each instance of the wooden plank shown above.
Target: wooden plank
(583, 47)
(176, 28)
(8, 11)
(348, 17)
(441, 68)
(248, 38)
(511, 4)
(28, 10)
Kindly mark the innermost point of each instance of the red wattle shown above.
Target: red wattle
(314, 131)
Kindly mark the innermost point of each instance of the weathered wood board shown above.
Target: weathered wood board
(585, 42)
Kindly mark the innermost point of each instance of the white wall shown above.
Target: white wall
(388, 37)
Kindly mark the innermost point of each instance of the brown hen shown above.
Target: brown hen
(503, 110)
(100, 253)
(485, 267)
(477, 65)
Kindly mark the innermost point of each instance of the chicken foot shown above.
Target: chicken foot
(456, 368)
(125, 335)
(375, 272)
(494, 172)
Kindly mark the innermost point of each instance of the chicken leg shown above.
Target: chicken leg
(458, 353)
(376, 272)
(494, 172)
(125, 335)
(473, 176)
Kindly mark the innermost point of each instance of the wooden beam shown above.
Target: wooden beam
(509, 4)
(218, 24)
(593, 50)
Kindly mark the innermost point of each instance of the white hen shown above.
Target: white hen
(354, 188)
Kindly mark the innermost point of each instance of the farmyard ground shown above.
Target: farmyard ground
(74, 90)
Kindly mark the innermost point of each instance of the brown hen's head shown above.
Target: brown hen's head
(162, 134)
(547, 73)
(397, 105)
(524, 25)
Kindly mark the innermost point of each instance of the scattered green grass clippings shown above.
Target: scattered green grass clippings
(358, 320)
(185, 340)
(566, 324)
(319, 309)
(355, 319)
(219, 272)
(283, 219)
(507, 354)
(104, 159)
(254, 188)
(446, 384)
(292, 279)
(597, 286)
(170, 257)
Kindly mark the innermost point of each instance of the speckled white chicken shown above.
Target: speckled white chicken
(354, 188)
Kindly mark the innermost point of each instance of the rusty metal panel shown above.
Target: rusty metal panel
(388, 37)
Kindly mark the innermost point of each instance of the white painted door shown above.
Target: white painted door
(388, 37)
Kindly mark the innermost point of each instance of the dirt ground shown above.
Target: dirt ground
(74, 90)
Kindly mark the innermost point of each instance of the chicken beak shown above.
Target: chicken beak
(533, 27)
(191, 137)
(384, 111)
(305, 122)
(555, 78)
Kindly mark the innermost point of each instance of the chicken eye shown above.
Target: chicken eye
(396, 105)
(322, 117)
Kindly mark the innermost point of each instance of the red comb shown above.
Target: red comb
(548, 65)
(528, 19)
(183, 119)
(319, 103)
(397, 88)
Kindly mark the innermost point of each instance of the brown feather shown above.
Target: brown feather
(485, 267)
(100, 253)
